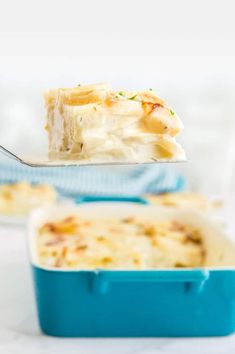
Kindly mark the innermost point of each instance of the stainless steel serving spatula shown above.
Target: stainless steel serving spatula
(44, 161)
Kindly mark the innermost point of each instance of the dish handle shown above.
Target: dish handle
(194, 279)
(111, 198)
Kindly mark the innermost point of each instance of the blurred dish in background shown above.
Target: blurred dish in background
(17, 199)
(184, 199)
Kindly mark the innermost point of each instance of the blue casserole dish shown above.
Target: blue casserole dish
(153, 303)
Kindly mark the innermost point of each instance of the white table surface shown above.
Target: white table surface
(20, 334)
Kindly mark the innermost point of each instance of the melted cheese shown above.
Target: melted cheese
(97, 124)
(130, 243)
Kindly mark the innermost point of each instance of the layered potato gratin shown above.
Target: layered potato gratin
(96, 124)
(20, 198)
(131, 243)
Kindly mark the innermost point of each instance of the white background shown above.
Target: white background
(183, 49)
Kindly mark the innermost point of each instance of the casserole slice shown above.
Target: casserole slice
(96, 124)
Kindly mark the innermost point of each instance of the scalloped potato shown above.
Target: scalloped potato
(96, 124)
(113, 243)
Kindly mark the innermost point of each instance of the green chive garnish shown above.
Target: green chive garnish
(133, 97)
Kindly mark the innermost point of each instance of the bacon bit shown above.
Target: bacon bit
(100, 238)
(64, 252)
(150, 97)
(193, 237)
(149, 107)
(176, 226)
(154, 243)
(204, 253)
(128, 220)
(81, 248)
(7, 195)
(86, 223)
(136, 261)
(169, 203)
(217, 203)
(48, 227)
(106, 260)
(179, 265)
(69, 219)
(111, 100)
(55, 241)
(66, 226)
(150, 231)
(157, 105)
(58, 263)
(114, 229)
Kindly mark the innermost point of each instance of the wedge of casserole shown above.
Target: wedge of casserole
(96, 124)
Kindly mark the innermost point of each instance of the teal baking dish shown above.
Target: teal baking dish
(153, 303)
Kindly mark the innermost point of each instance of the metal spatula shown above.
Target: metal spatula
(44, 161)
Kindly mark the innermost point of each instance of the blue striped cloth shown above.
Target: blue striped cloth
(72, 181)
